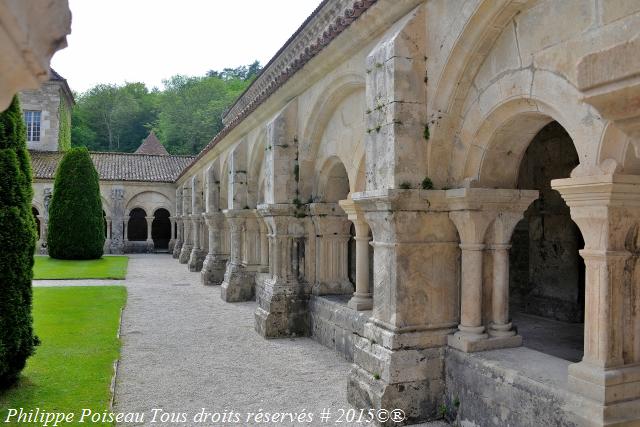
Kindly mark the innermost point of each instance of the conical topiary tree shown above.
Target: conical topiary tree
(18, 239)
(76, 224)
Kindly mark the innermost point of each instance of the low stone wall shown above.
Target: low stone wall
(332, 323)
(513, 387)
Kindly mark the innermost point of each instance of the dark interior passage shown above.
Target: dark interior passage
(546, 270)
(161, 229)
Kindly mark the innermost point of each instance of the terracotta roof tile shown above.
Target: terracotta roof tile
(151, 145)
(117, 166)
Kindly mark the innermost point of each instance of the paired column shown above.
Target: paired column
(214, 265)
(172, 241)
(197, 255)
(362, 298)
(332, 236)
(238, 282)
(179, 231)
(187, 246)
(607, 210)
(281, 296)
(485, 219)
(150, 245)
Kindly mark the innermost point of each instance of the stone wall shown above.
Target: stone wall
(547, 273)
(46, 100)
(333, 324)
(514, 387)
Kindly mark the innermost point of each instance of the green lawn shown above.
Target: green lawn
(107, 267)
(73, 366)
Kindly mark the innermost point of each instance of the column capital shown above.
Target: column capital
(605, 207)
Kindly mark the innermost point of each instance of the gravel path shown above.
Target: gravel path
(185, 349)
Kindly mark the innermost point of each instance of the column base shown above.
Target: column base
(361, 302)
(400, 377)
(213, 269)
(238, 285)
(484, 342)
(177, 248)
(613, 395)
(281, 312)
(116, 248)
(150, 246)
(185, 253)
(196, 259)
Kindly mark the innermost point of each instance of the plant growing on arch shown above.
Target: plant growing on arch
(18, 237)
(76, 225)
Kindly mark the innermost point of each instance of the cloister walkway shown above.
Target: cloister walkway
(184, 349)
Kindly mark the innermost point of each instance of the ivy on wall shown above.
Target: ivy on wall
(64, 133)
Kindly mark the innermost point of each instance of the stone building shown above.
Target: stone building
(47, 114)
(137, 189)
(491, 150)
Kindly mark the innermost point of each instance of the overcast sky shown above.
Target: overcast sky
(113, 41)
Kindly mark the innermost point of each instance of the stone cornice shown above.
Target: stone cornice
(328, 21)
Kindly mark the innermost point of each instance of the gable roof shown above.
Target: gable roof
(117, 166)
(151, 145)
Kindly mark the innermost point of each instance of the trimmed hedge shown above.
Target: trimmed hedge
(76, 223)
(18, 239)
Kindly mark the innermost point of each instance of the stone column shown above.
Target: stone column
(239, 280)
(264, 246)
(399, 358)
(172, 241)
(196, 258)
(282, 296)
(179, 231)
(107, 241)
(607, 210)
(332, 245)
(484, 215)
(214, 265)
(150, 245)
(187, 245)
(362, 298)
(118, 224)
(499, 237)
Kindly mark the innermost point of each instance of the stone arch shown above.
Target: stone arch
(224, 181)
(498, 126)
(343, 89)
(149, 201)
(332, 183)
(212, 188)
(255, 171)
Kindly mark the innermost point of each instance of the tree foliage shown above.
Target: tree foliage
(18, 237)
(76, 223)
(185, 115)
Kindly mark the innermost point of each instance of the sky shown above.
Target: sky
(117, 41)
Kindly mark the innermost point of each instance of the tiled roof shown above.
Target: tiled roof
(308, 41)
(151, 145)
(117, 166)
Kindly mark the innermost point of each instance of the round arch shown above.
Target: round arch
(332, 181)
(343, 88)
(497, 129)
